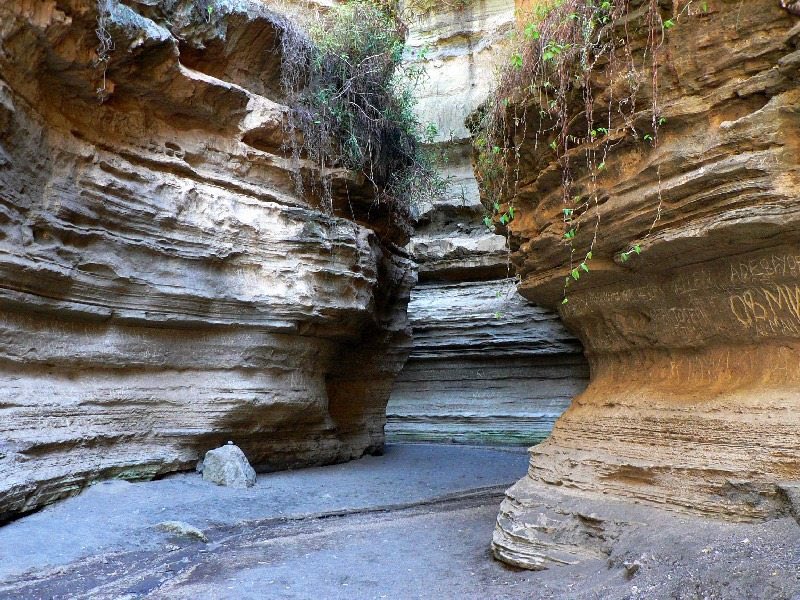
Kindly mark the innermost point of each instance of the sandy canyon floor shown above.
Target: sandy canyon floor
(414, 523)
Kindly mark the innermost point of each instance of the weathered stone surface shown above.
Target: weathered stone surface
(228, 466)
(487, 367)
(694, 345)
(461, 49)
(181, 529)
(409, 524)
(164, 288)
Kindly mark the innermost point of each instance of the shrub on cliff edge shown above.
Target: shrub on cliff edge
(352, 97)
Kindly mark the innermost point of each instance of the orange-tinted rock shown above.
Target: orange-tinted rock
(694, 345)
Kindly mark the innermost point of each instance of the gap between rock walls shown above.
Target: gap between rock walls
(567, 224)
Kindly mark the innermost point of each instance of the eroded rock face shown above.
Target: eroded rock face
(694, 345)
(164, 287)
(487, 367)
(461, 48)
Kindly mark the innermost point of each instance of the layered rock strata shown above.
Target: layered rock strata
(458, 50)
(694, 344)
(487, 367)
(165, 288)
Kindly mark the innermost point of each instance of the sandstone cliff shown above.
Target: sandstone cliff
(694, 344)
(164, 287)
(487, 365)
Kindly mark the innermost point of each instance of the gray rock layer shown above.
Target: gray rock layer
(164, 287)
(487, 367)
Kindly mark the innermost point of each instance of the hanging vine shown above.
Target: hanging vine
(546, 92)
(352, 99)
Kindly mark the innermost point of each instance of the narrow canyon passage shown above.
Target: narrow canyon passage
(373, 299)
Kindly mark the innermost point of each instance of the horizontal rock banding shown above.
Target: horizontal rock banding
(487, 367)
(693, 344)
(164, 287)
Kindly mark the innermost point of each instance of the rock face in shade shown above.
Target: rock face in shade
(694, 345)
(487, 367)
(484, 369)
(164, 288)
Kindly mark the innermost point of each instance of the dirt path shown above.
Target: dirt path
(427, 543)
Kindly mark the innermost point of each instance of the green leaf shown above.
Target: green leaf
(637, 248)
(575, 274)
(565, 300)
(503, 220)
(584, 267)
(601, 166)
(531, 32)
(516, 60)
(669, 24)
(624, 257)
(488, 222)
(511, 212)
(589, 255)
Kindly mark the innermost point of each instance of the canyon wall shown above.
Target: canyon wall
(165, 287)
(487, 366)
(694, 344)
(484, 369)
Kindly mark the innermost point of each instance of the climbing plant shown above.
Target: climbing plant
(422, 7)
(546, 92)
(352, 100)
(105, 46)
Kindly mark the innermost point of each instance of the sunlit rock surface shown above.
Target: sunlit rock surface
(694, 345)
(488, 367)
(164, 287)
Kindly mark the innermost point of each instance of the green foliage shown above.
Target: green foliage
(353, 98)
(427, 6)
(560, 51)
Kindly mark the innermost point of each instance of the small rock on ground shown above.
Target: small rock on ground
(228, 466)
(182, 529)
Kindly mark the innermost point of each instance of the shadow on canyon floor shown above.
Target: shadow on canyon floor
(414, 523)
